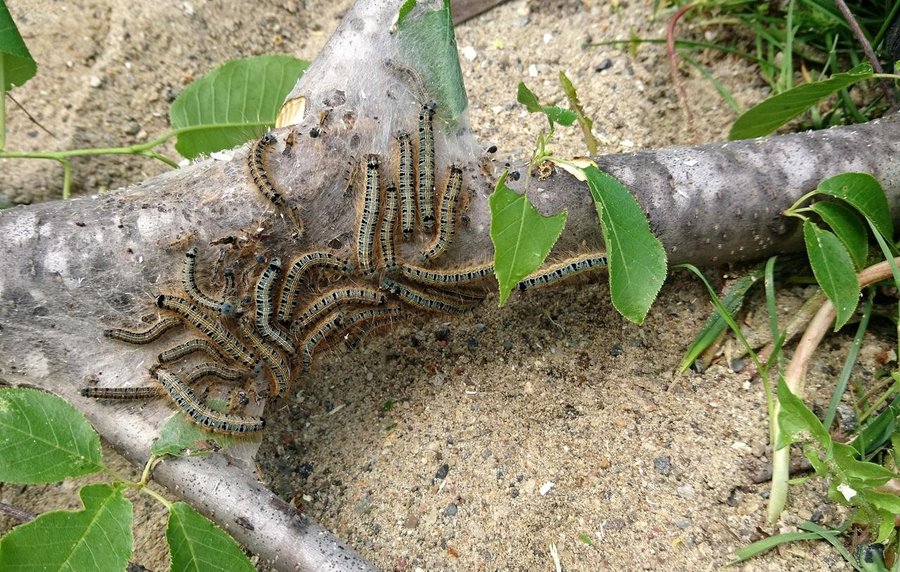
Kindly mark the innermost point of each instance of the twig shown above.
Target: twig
(673, 68)
(16, 513)
(29, 116)
(867, 48)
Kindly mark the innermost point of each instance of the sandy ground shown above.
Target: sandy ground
(484, 442)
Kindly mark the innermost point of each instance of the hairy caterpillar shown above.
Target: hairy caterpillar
(447, 221)
(256, 162)
(426, 164)
(214, 369)
(337, 296)
(188, 402)
(564, 269)
(421, 299)
(370, 319)
(368, 223)
(406, 183)
(321, 331)
(281, 372)
(212, 329)
(291, 289)
(189, 347)
(189, 283)
(388, 222)
(265, 308)
(143, 337)
(453, 277)
(121, 392)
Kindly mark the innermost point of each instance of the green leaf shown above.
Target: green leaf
(859, 473)
(831, 536)
(864, 193)
(96, 538)
(427, 43)
(879, 431)
(766, 544)
(555, 114)
(833, 269)
(180, 437)
(774, 112)
(586, 122)
(235, 102)
(848, 227)
(795, 417)
(733, 301)
(196, 543)
(43, 439)
(522, 237)
(527, 98)
(16, 64)
(637, 260)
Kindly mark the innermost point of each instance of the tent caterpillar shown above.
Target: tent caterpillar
(447, 222)
(321, 331)
(265, 308)
(388, 222)
(189, 347)
(281, 372)
(291, 289)
(406, 183)
(121, 392)
(188, 402)
(564, 269)
(455, 276)
(145, 336)
(334, 297)
(212, 329)
(426, 164)
(368, 223)
(421, 299)
(189, 283)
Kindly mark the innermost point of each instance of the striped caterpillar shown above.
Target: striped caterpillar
(291, 289)
(335, 297)
(188, 402)
(447, 221)
(368, 223)
(422, 300)
(145, 336)
(388, 222)
(453, 277)
(426, 164)
(319, 333)
(564, 269)
(405, 182)
(281, 372)
(265, 307)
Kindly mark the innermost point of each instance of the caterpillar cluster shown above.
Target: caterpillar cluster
(292, 317)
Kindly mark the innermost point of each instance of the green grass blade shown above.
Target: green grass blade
(766, 544)
(774, 112)
(831, 537)
(848, 227)
(97, 538)
(637, 260)
(197, 544)
(522, 237)
(43, 439)
(237, 101)
(865, 194)
(721, 89)
(584, 121)
(833, 269)
(841, 385)
(715, 324)
(16, 64)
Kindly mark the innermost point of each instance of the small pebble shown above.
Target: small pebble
(685, 491)
(603, 65)
(442, 471)
(615, 350)
(682, 522)
(663, 464)
(737, 365)
(545, 488)
(451, 510)
(469, 52)
(411, 521)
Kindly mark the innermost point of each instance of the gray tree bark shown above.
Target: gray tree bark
(71, 269)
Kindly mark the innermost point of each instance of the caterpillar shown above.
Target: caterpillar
(229, 282)
(410, 77)
(564, 269)
(388, 222)
(189, 283)
(265, 308)
(281, 372)
(212, 329)
(143, 337)
(421, 299)
(321, 331)
(188, 402)
(447, 222)
(214, 369)
(291, 289)
(405, 182)
(256, 162)
(426, 164)
(189, 347)
(121, 392)
(365, 240)
(370, 319)
(455, 277)
(337, 296)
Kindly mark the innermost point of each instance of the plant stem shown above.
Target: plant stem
(673, 67)
(796, 374)
(2, 109)
(867, 49)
